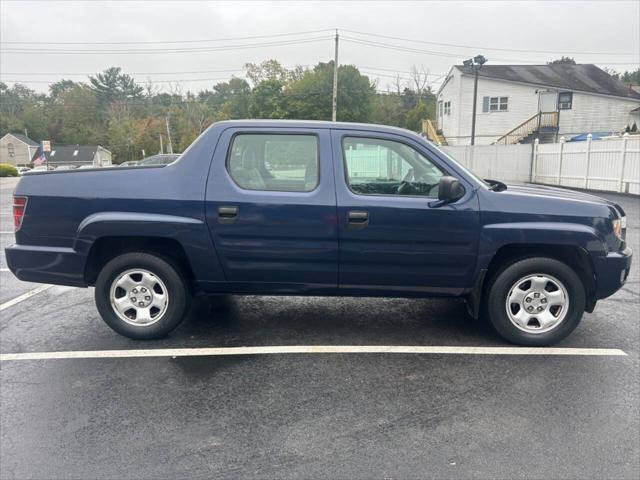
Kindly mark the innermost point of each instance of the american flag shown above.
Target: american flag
(41, 159)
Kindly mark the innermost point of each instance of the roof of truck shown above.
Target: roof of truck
(313, 124)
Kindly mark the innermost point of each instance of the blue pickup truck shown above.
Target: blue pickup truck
(318, 208)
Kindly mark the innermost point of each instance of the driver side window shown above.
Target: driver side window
(385, 167)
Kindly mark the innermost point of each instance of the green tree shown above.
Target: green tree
(631, 78)
(76, 118)
(268, 100)
(58, 88)
(112, 84)
(310, 97)
(562, 60)
(230, 99)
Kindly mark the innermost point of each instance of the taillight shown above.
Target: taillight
(19, 206)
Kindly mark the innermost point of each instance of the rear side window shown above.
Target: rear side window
(274, 162)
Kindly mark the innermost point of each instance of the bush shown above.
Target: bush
(7, 170)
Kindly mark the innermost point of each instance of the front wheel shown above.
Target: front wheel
(536, 301)
(141, 296)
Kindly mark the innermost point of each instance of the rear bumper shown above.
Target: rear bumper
(612, 272)
(60, 266)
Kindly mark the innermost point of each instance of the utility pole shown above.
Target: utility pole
(475, 63)
(475, 102)
(335, 81)
(161, 149)
(170, 146)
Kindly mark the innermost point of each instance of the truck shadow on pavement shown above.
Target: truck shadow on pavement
(270, 320)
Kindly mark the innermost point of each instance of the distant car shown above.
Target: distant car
(22, 170)
(90, 165)
(40, 168)
(64, 167)
(161, 159)
(130, 163)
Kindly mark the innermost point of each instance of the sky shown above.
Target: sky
(206, 42)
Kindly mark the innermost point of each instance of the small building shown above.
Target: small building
(76, 155)
(17, 149)
(518, 103)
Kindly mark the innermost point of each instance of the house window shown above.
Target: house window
(495, 104)
(11, 149)
(565, 100)
(447, 108)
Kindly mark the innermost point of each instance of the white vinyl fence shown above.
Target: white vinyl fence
(611, 165)
(608, 165)
(509, 163)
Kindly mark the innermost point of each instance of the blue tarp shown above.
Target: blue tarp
(594, 136)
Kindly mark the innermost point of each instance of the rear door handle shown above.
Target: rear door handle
(357, 220)
(227, 214)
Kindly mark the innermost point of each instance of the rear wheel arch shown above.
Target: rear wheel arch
(107, 248)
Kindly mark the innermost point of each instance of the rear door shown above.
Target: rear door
(391, 239)
(271, 209)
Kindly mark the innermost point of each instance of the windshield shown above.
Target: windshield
(469, 173)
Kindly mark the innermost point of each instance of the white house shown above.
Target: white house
(17, 149)
(517, 103)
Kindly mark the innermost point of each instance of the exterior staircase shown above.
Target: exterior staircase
(429, 129)
(541, 125)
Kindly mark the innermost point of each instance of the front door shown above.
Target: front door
(271, 210)
(547, 101)
(391, 239)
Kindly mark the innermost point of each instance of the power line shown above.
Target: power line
(164, 50)
(307, 32)
(146, 81)
(229, 70)
(487, 48)
(158, 42)
(129, 73)
(401, 48)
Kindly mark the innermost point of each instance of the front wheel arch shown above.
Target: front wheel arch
(573, 256)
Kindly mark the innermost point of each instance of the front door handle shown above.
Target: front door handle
(357, 220)
(227, 214)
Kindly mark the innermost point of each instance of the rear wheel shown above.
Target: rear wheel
(141, 296)
(536, 301)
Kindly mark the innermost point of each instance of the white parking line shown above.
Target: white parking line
(7, 233)
(4, 270)
(198, 352)
(24, 296)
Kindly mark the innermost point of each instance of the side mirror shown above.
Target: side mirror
(449, 191)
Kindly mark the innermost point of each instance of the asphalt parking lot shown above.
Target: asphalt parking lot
(314, 415)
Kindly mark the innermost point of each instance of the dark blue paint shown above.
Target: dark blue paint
(299, 243)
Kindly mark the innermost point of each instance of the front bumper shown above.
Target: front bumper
(612, 272)
(60, 266)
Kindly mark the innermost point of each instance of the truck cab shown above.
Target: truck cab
(319, 208)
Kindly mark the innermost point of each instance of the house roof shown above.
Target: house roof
(71, 154)
(23, 139)
(582, 77)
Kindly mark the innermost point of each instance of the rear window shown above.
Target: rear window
(274, 162)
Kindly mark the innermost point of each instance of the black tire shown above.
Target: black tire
(170, 275)
(500, 288)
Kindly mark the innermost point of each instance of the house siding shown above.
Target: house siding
(596, 113)
(589, 112)
(102, 158)
(22, 152)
